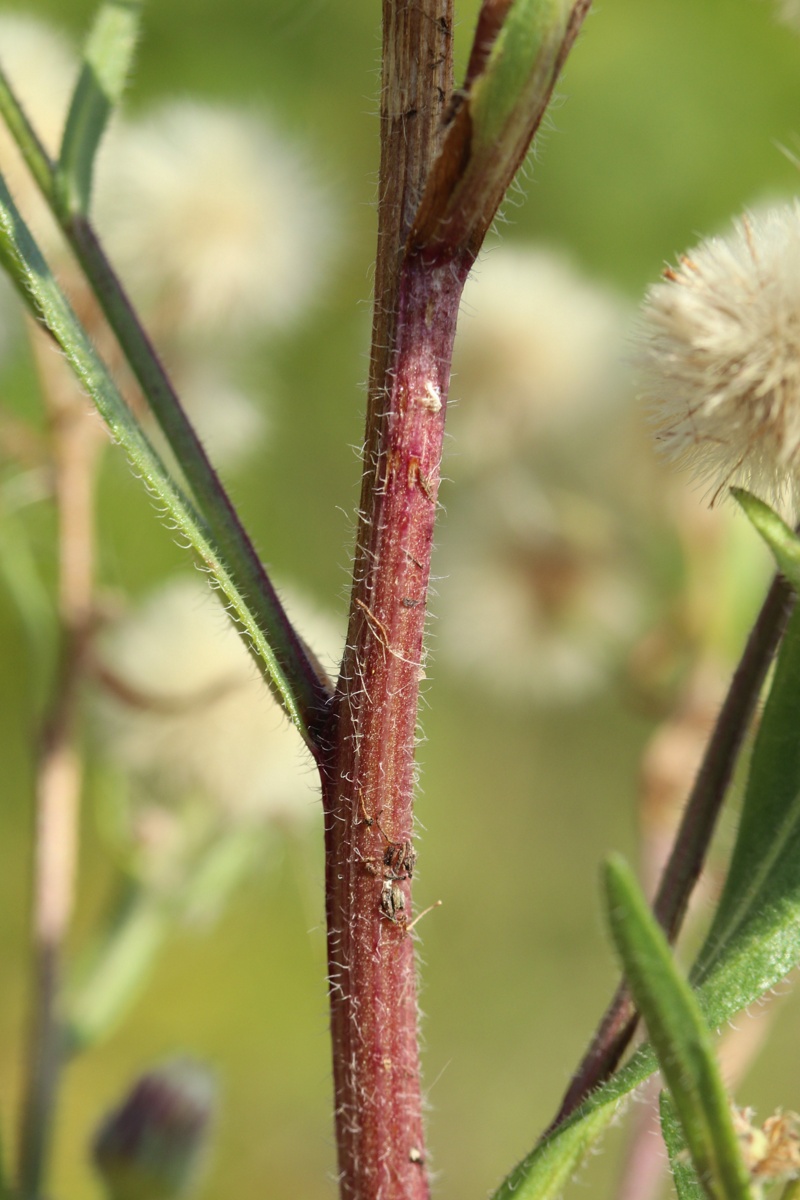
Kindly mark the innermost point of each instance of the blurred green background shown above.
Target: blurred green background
(669, 120)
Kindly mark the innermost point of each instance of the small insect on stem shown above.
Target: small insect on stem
(399, 859)
(393, 902)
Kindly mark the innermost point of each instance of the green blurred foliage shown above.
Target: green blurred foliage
(667, 123)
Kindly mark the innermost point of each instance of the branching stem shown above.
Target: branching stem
(369, 780)
(694, 834)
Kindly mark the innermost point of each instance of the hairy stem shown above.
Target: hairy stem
(369, 793)
(694, 835)
(426, 246)
(310, 689)
(369, 780)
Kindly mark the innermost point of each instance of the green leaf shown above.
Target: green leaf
(115, 968)
(107, 61)
(687, 1185)
(754, 941)
(545, 1172)
(39, 290)
(782, 541)
(519, 73)
(302, 677)
(520, 48)
(679, 1035)
(754, 934)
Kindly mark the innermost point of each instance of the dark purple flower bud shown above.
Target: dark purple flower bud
(150, 1147)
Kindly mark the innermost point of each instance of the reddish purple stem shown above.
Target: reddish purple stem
(369, 786)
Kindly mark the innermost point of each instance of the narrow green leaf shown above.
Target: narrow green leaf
(545, 1172)
(782, 541)
(36, 157)
(754, 941)
(519, 73)
(116, 966)
(301, 673)
(520, 48)
(39, 290)
(107, 60)
(687, 1185)
(753, 937)
(679, 1036)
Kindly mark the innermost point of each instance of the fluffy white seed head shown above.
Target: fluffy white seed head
(216, 219)
(538, 350)
(538, 602)
(720, 357)
(188, 714)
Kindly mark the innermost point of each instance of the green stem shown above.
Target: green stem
(694, 835)
(37, 159)
(40, 292)
(310, 691)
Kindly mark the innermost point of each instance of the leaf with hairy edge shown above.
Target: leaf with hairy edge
(39, 290)
(754, 942)
(687, 1185)
(303, 677)
(679, 1035)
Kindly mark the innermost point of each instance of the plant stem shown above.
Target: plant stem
(310, 691)
(694, 835)
(309, 688)
(426, 246)
(77, 439)
(369, 781)
(369, 792)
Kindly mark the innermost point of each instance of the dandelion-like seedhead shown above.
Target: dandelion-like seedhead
(538, 602)
(720, 357)
(771, 1151)
(216, 220)
(186, 713)
(538, 352)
